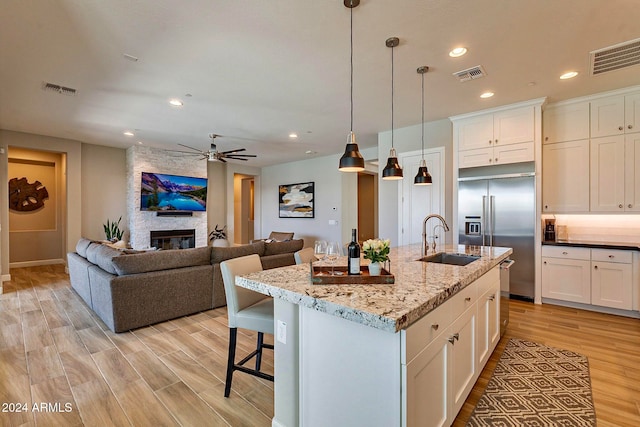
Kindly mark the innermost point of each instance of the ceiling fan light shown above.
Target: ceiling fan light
(351, 160)
(392, 170)
(423, 177)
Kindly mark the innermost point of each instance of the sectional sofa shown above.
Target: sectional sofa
(130, 289)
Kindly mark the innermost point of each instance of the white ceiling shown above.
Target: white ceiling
(260, 69)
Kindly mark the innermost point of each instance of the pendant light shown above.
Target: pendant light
(351, 160)
(423, 177)
(393, 170)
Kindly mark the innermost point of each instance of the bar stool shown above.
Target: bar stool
(303, 256)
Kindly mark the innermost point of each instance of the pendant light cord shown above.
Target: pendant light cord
(422, 116)
(392, 48)
(351, 63)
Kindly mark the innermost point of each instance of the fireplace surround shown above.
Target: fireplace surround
(173, 239)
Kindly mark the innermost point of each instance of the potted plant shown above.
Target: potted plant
(376, 251)
(112, 230)
(218, 237)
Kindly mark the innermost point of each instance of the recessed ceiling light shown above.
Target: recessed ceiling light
(309, 152)
(293, 135)
(176, 102)
(487, 95)
(128, 133)
(139, 142)
(459, 51)
(568, 75)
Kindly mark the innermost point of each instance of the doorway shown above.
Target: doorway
(244, 208)
(367, 205)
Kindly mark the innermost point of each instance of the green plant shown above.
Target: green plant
(376, 250)
(112, 230)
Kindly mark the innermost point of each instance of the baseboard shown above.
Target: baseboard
(36, 263)
(5, 278)
(589, 307)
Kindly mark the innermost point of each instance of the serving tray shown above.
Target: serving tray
(321, 275)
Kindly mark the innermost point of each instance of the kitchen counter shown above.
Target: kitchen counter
(629, 246)
(419, 287)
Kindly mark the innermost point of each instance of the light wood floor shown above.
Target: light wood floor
(53, 350)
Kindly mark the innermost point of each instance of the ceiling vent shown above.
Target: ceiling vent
(50, 87)
(470, 73)
(615, 57)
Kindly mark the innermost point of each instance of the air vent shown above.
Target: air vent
(50, 87)
(470, 73)
(615, 57)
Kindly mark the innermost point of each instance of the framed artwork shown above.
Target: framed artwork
(296, 200)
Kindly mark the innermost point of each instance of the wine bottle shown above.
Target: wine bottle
(354, 254)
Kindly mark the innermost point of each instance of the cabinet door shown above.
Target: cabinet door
(513, 153)
(488, 324)
(566, 123)
(475, 132)
(461, 367)
(607, 116)
(611, 285)
(427, 386)
(607, 174)
(632, 172)
(632, 113)
(566, 279)
(565, 177)
(513, 126)
(473, 158)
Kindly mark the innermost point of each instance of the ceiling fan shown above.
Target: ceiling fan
(213, 155)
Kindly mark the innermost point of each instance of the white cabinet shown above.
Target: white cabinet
(611, 278)
(615, 173)
(615, 115)
(488, 323)
(462, 367)
(565, 176)
(496, 138)
(566, 274)
(568, 122)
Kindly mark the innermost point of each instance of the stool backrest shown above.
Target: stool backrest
(237, 297)
(303, 256)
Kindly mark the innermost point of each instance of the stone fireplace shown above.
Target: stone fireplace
(173, 239)
(142, 223)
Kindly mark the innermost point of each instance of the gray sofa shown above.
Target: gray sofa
(131, 289)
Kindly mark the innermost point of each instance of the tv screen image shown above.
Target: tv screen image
(162, 192)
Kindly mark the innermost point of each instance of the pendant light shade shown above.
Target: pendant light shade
(423, 177)
(392, 170)
(351, 160)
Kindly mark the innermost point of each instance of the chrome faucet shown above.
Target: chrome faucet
(425, 244)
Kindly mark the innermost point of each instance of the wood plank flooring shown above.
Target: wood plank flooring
(55, 352)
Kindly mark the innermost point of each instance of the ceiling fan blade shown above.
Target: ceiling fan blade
(234, 151)
(222, 160)
(240, 155)
(191, 148)
(237, 158)
(188, 153)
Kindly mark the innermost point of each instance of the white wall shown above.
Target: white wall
(436, 134)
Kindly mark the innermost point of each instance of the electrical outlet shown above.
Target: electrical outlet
(281, 333)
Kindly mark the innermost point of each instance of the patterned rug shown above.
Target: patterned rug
(534, 385)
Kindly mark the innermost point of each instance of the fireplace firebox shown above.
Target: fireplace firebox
(173, 239)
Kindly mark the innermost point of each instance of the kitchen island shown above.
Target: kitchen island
(382, 354)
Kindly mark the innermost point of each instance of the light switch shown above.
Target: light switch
(333, 222)
(281, 333)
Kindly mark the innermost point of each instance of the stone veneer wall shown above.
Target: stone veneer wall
(147, 159)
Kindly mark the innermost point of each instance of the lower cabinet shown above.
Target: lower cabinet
(599, 277)
(443, 352)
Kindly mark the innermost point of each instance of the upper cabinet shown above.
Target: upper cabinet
(496, 137)
(563, 123)
(615, 115)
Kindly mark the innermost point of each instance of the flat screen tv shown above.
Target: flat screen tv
(162, 192)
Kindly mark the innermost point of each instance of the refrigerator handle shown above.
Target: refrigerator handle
(492, 202)
(483, 224)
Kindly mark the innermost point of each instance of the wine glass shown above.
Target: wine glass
(333, 252)
(320, 249)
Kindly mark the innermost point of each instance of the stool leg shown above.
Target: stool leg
(233, 335)
(259, 350)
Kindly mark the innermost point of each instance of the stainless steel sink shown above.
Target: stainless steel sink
(452, 259)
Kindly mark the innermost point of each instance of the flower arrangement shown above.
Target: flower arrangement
(376, 250)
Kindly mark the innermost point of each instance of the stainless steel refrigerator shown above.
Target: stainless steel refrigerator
(500, 211)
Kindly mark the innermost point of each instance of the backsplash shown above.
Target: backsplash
(600, 228)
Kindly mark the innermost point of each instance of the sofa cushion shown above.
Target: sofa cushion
(160, 260)
(280, 236)
(276, 248)
(219, 254)
(102, 256)
(82, 245)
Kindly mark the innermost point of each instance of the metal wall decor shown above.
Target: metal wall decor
(26, 197)
(296, 200)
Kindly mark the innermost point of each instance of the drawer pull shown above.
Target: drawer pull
(492, 297)
(467, 299)
(620, 205)
(451, 340)
(456, 336)
(620, 128)
(565, 253)
(611, 256)
(435, 326)
(595, 267)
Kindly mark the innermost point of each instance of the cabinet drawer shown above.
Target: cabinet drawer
(463, 300)
(566, 252)
(485, 282)
(425, 330)
(612, 255)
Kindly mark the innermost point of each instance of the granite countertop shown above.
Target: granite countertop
(419, 287)
(629, 246)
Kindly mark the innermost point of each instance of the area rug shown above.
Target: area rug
(535, 385)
